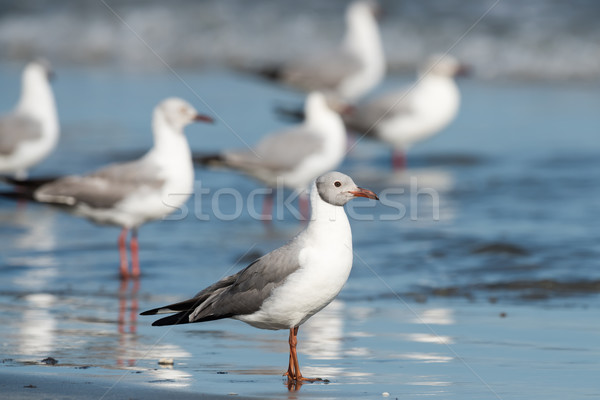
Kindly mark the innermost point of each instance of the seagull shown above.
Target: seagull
(133, 193)
(284, 288)
(294, 157)
(30, 132)
(404, 117)
(344, 74)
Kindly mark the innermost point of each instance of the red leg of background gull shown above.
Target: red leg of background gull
(135, 255)
(267, 210)
(133, 313)
(303, 204)
(123, 254)
(398, 159)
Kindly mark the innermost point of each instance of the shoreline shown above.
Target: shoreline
(20, 383)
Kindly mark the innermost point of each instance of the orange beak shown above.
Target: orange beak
(203, 118)
(360, 192)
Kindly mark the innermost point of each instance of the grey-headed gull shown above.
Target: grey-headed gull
(133, 193)
(294, 157)
(344, 74)
(404, 117)
(30, 132)
(284, 288)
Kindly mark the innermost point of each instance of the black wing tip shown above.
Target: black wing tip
(175, 319)
(150, 312)
(271, 72)
(31, 183)
(208, 159)
(17, 195)
(290, 114)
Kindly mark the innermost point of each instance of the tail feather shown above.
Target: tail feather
(290, 114)
(175, 319)
(20, 195)
(183, 310)
(271, 72)
(213, 160)
(30, 184)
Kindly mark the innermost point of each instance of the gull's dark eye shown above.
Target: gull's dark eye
(337, 183)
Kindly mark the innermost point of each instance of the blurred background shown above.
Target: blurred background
(537, 39)
(496, 297)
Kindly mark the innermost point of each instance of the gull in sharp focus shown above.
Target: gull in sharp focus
(285, 287)
(344, 74)
(133, 193)
(294, 157)
(403, 117)
(30, 132)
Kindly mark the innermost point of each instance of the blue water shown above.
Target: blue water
(476, 276)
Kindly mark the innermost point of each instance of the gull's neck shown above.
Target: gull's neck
(170, 143)
(322, 120)
(37, 101)
(328, 223)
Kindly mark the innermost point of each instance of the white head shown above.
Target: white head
(360, 11)
(443, 65)
(337, 189)
(39, 69)
(177, 113)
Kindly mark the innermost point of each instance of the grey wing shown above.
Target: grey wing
(239, 294)
(103, 188)
(279, 152)
(365, 117)
(326, 72)
(16, 129)
(250, 287)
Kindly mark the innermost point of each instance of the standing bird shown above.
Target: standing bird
(404, 117)
(344, 74)
(284, 288)
(133, 193)
(294, 157)
(30, 132)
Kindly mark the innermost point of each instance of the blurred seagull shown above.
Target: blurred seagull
(294, 157)
(287, 286)
(133, 193)
(344, 74)
(30, 132)
(404, 117)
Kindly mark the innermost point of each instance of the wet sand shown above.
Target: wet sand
(36, 385)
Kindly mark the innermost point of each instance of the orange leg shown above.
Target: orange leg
(291, 372)
(135, 255)
(294, 373)
(123, 254)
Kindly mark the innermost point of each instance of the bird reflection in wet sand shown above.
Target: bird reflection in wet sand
(127, 322)
(287, 286)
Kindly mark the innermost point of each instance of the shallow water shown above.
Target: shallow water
(476, 276)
